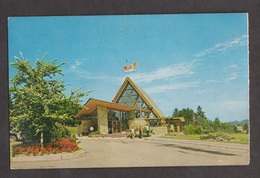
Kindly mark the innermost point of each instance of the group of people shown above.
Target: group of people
(140, 131)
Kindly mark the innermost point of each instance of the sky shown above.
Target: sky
(184, 60)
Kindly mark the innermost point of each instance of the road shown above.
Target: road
(146, 152)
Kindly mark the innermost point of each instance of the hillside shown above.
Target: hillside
(242, 122)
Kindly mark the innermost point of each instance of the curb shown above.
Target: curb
(51, 157)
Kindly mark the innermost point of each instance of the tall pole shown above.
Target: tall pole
(140, 96)
(140, 106)
(138, 69)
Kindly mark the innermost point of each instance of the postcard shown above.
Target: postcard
(107, 91)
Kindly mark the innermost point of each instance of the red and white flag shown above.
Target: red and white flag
(131, 67)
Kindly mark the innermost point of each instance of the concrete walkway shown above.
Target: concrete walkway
(146, 152)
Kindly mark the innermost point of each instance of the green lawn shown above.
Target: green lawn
(240, 138)
(73, 130)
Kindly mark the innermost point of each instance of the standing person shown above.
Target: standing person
(147, 130)
(140, 131)
(91, 129)
(132, 133)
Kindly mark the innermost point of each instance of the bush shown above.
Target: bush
(218, 137)
(188, 129)
(191, 129)
(145, 132)
(61, 131)
(95, 133)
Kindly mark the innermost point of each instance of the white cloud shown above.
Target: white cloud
(178, 70)
(211, 81)
(222, 47)
(233, 76)
(88, 75)
(164, 88)
(98, 77)
(233, 70)
(199, 92)
(232, 66)
(234, 104)
(75, 65)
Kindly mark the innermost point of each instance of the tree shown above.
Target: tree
(37, 101)
(175, 112)
(226, 127)
(199, 115)
(217, 124)
(245, 127)
(188, 115)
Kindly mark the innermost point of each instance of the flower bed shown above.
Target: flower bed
(58, 145)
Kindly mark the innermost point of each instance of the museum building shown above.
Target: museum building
(130, 108)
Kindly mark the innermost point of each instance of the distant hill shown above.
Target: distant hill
(239, 122)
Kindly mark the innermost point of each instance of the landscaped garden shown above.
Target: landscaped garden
(198, 127)
(41, 110)
(219, 137)
(57, 145)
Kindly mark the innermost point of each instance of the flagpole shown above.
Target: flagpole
(139, 96)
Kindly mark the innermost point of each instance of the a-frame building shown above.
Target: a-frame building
(131, 95)
(130, 108)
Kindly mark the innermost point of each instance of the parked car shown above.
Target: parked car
(15, 136)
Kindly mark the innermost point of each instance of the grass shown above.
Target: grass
(73, 130)
(240, 137)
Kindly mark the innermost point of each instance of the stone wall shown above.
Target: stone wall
(102, 119)
(135, 123)
(160, 130)
(84, 126)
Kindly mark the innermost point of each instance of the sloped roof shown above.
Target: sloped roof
(145, 97)
(91, 106)
(175, 118)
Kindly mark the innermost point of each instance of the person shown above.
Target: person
(147, 130)
(140, 132)
(132, 133)
(91, 129)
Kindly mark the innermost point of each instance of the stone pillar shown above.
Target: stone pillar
(159, 130)
(172, 128)
(179, 126)
(102, 119)
(83, 128)
(136, 122)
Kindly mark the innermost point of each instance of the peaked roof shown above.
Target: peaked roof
(144, 96)
(91, 105)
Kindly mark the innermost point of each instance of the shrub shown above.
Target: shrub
(73, 138)
(61, 131)
(191, 129)
(95, 133)
(145, 132)
(218, 137)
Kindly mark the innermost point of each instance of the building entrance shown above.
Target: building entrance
(117, 126)
(117, 121)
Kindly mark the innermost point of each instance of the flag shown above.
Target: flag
(131, 67)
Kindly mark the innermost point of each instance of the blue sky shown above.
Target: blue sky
(184, 60)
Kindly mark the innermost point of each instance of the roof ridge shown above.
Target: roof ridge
(144, 96)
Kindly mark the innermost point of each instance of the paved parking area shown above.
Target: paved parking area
(146, 152)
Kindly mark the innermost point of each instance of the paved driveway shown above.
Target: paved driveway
(150, 152)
